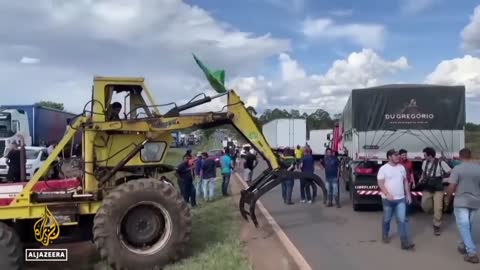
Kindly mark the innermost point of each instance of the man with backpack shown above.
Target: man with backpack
(434, 171)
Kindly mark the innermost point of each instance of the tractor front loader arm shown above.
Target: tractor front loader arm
(238, 116)
(276, 172)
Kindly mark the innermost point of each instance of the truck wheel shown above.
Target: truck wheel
(11, 253)
(142, 224)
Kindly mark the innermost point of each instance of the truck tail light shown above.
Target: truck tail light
(363, 171)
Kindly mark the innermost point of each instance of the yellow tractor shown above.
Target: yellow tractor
(121, 199)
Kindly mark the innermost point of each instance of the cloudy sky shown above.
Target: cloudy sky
(304, 54)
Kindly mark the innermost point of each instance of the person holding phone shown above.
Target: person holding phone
(395, 192)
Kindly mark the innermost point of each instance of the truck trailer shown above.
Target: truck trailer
(409, 117)
(319, 141)
(287, 132)
(37, 124)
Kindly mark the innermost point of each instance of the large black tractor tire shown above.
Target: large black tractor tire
(11, 249)
(142, 224)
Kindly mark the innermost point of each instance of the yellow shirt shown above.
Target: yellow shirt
(298, 153)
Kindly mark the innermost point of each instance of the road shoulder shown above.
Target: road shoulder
(263, 247)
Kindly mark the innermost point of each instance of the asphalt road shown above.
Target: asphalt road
(332, 238)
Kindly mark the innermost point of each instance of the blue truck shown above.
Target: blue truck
(37, 124)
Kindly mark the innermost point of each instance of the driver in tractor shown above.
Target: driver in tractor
(114, 111)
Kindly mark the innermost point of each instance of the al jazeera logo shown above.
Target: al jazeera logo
(46, 230)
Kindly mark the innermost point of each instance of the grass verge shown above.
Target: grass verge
(215, 243)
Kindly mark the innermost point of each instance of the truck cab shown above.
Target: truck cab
(13, 126)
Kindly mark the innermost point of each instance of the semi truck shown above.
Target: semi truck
(401, 116)
(37, 125)
(319, 141)
(287, 132)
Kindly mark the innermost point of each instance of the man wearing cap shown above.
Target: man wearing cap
(395, 192)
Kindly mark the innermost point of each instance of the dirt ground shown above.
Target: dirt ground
(262, 246)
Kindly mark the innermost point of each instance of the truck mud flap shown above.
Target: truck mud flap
(267, 181)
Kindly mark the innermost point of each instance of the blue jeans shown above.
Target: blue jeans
(463, 217)
(332, 188)
(199, 185)
(287, 189)
(208, 189)
(397, 207)
(225, 182)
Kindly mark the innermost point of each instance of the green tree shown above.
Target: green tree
(472, 127)
(51, 104)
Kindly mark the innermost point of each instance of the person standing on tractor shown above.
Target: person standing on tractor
(298, 156)
(332, 173)
(395, 193)
(184, 172)
(288, 183)
(465, 183)
(226, 164)
(14, 163)
(431, 181)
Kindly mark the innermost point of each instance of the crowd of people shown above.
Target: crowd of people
(197, 176)
(395, 180)
(301, 159)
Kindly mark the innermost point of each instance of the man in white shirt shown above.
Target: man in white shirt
(395, 194)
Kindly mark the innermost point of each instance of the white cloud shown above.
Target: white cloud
(416, 6)
(365, 35)
(459, 71)
(471, 33)
(150, 38)
(307, 92)
(341, 12)
(29, 60)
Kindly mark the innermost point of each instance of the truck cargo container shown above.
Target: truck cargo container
(409, 117)
(37, 124)
(318, 141)
(289, 132)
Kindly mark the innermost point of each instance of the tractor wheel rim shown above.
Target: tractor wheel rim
(145, 228)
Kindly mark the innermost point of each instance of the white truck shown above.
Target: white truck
(318, 141)
(287, 132)
(409, 117)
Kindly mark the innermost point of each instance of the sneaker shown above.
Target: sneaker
(409, 246)
(462, 249)
(303, 201)
(436, 230)
(329, 204)
(471, 258)
(290, 203)
(310, 202)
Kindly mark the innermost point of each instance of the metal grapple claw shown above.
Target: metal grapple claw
(267, 181)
